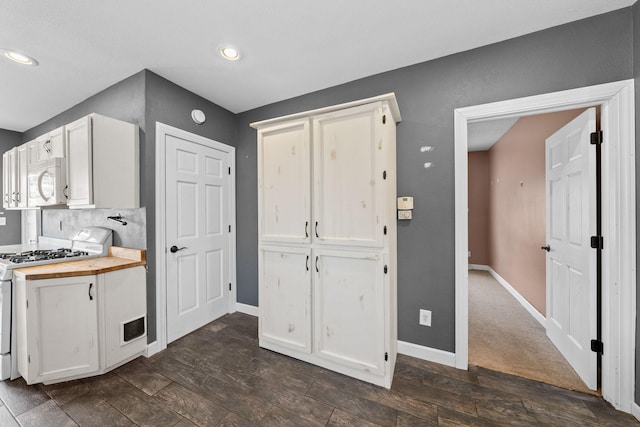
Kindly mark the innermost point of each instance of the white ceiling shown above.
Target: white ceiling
(482, 135)
(289, 47)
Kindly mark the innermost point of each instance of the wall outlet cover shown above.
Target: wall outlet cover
(425, 317)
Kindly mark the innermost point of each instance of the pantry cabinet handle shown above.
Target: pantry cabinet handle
(306, 229)
(317, 269)
(65, 191)
(90, 292)
(307, 263)
(317, 229)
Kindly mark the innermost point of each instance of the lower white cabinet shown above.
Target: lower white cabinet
(75, 327)
(57, 328)
(329, 307)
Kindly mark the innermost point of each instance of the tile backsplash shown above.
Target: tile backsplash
(65, 223)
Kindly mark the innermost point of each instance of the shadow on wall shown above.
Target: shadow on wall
(65, 223)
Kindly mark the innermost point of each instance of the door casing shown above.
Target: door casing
(618, 218)
(161, 241)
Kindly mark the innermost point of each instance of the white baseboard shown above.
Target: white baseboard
(247, 309)
(152, 348)
(427, 353)
(526, 304)
(635, 410)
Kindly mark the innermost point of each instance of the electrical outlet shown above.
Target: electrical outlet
(425, 317)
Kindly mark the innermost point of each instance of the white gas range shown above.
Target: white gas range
(89, 242)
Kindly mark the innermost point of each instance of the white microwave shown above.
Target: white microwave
(47, 181)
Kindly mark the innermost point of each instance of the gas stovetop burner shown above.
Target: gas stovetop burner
(43, 255)
(7, 255)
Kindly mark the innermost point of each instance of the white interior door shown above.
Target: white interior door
(571, 262)
(198, 198)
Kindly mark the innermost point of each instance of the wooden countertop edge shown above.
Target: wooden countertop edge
(123, 258)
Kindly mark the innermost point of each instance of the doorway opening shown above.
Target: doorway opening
(507, 231)
(618, 222)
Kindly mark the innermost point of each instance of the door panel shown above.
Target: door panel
(284, 183)
(346, 174)
(349, 308)
(285, 297)
(571, 262)
(197, 214)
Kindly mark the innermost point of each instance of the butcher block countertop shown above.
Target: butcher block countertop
(118, 259)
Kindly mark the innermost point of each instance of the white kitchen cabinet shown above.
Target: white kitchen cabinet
(285, 297)
(284, 182)
(340, 242)
(14, 178)
(48, 146)
(75, 327)
(102, 163)
(57, 326)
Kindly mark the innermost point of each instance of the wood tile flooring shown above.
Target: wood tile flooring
(218, 376)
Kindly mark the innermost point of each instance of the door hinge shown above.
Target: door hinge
(597, 242)
(386, 357)
(229, 286)
(229, 170)
(385, 269)
(384, 119)
(385, 229)
(597, 346)
(596, 137)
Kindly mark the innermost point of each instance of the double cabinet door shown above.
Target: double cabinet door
(343, 322)
(321, 181)
(321, 196)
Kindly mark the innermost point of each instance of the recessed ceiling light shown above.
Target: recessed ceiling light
(230, 53)
(18, 57)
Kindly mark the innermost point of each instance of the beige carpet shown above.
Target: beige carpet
(504, 337)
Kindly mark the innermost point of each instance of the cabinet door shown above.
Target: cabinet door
(47, 146)
(285, 297)
(348, 181)
(349, 309)
(79, 162)
(22, 176)
(61, 328)
(284, 183)
(6, 180)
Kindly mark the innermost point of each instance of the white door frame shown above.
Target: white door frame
(161, 239)
(618, 222)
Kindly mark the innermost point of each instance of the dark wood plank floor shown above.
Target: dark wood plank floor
(218, 376)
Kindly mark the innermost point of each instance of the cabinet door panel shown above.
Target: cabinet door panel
(285, 297)
(22, 177)
(349, 308)
(63, 331)
(79, 162)
(284, 183)
(348, 183)
(7, 179)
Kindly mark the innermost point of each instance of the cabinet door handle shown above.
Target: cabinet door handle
(317, 269)
(317, 229)
(47, 146)
(6, 197)
(65, 191)
(90, 291)
(306, 229)
(18, 197)
(307, 263)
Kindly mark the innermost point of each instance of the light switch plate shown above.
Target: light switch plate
(404, 214)
(3, 220)
(405, 203)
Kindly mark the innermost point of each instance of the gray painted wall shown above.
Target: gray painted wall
(10, 233)
(171, 104)
(583, 53)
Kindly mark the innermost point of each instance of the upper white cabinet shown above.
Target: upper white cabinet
(327, 237)
(102, 163)
(284, 182)
(48, 146)
(14, 178)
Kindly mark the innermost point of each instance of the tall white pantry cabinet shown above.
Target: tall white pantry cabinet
(327, 237)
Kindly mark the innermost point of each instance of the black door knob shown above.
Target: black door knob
(175, 249)
(546, 248)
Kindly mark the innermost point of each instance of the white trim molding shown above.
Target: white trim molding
(618, 217)
(161, 257)
(522, 300)
(427, 353)
(251, 310)
(635, 411)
